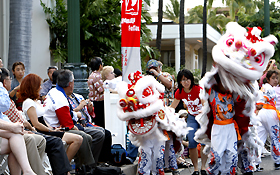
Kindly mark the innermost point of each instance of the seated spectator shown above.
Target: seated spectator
(46, 86)
(29, 92)
(35, 144)
(11, 139)
(84, 110)
(97, 133)
(18, 70)
(59, 113)
(53, 146)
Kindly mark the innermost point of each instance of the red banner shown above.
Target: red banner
(131, 25)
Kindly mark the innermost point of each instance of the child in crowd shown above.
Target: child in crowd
(271, 66)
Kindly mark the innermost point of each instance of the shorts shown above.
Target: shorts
(191, 122)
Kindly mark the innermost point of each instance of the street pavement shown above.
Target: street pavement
(267, 164)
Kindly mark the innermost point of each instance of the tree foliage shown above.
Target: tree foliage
(217, 21)
(257, 19)
(100, 22)
(172, 11)
(195, 15)
(238, 6)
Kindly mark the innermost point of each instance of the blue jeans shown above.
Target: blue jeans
(191, 122)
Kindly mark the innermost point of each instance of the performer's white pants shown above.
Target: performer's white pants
(270, 125)
(169, 154)
(152, 157)
(223, 155)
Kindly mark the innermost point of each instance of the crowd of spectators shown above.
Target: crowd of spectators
(47, 115)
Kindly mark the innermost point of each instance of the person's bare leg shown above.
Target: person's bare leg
(204, 158)
(17, 147)
(74, 141)
(12, 161)
(14, 167)
(194, 158)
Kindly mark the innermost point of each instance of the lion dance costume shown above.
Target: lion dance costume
(150, 123)
(229, 94)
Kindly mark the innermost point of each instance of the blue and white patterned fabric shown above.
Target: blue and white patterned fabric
(4, 101)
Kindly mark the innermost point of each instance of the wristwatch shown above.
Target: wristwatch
(159, 75)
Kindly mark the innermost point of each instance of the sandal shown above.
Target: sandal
(175, 172)
(183, 165)
(190, 164)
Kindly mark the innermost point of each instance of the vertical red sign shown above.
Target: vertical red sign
(130, 42)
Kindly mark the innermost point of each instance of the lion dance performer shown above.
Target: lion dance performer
(150, 123)
(229, 94)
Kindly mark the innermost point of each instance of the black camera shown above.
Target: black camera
(148, 72)
(64, 129)
(82, 122)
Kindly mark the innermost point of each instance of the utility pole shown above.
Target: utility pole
(266, 18)
(73, 13)
(74, 49)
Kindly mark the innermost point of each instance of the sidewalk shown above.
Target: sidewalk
(132, 169)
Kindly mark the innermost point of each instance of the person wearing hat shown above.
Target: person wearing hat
(154, 68)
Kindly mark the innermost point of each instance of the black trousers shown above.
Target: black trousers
(99, 113)
(105, 154)
(57, 155)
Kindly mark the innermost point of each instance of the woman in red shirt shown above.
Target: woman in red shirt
(188, 92)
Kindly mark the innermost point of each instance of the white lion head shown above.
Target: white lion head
(244, 53)
(140, 99)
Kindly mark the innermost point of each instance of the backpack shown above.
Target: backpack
(118, 154)
(111, 170)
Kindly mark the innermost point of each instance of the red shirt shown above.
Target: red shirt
(191, 99)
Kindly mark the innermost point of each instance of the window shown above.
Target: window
(168, 58)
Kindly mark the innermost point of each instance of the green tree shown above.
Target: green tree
(238, 6)
(217, 21)
(257, 19)
(172, 11)
(100, 31)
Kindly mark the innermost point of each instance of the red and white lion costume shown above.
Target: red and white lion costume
(229, 94)
(141, 105)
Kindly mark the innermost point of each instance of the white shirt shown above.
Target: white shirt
(112, 83)
(28, 103)
(54, 100)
